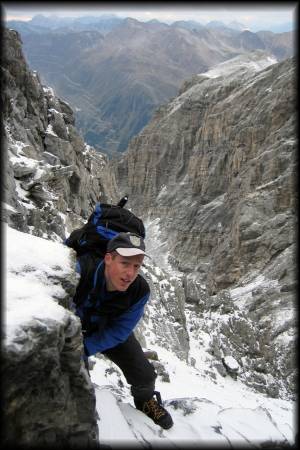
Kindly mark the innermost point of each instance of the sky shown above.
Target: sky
(253, 15)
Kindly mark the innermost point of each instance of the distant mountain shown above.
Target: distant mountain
(107, 22)
(40, 23)
(250, 41)
(215, 24)
(24, 27)
(236, 26)
(155, 21)
(104, 23)
(283, 27)
(279, 44)
(188, 24)
(116, 72)
(51, 22)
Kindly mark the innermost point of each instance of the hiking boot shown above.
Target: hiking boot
(154, 409)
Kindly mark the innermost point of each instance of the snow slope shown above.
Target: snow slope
(205, 411)
(240, 68)
(249, 63)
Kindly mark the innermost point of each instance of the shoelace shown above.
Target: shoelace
(155, 408)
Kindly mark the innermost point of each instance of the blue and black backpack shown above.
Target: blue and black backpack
(90, 241)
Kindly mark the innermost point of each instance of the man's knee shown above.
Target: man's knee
(131, 359)
(148, 374)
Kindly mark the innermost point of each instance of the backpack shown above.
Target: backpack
(90, 241)
(105, 222)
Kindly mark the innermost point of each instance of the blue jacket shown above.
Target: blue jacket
(107, 317)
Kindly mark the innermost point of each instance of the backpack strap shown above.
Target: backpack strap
(88, 263)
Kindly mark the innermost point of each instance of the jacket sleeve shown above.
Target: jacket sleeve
(118, 332)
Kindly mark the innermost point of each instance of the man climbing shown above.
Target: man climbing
(110, 312)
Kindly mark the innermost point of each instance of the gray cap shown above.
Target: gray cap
(127, 244)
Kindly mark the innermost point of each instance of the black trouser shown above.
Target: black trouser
(138, 371)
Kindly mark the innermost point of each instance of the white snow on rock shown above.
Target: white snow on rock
(231, 363)
(49, 130)
(226, 414)
(29, 292)
(247, 65)
(49, 90)
(8, 207)
(250, 62)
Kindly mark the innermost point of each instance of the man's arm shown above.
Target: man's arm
(118, 332)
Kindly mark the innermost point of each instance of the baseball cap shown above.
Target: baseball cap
(127, 244)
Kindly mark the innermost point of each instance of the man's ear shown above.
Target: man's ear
(107, 258)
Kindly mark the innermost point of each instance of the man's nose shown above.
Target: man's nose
(130, 271)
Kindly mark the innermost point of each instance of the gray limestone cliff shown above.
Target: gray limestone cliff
(51, 183)
(53, 178)
(48, 396)
(216, 167)
(164, 319)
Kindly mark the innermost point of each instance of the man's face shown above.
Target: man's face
(121, 271)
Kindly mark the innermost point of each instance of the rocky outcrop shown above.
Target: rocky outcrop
(164, 319)
(217, 166)
(51, 184)
(49, 398)
(53, 178)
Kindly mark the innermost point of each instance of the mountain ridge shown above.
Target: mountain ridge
(115, 81)
(112, 20)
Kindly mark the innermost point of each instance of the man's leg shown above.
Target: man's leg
(138, 371)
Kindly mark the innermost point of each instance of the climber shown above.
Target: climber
(110, 312)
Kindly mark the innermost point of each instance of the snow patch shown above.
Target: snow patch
(48, 90)
(29, 294)
(8, 207)
(238, 64)
(49, 130)
(243, 294)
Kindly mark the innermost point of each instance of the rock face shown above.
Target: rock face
(164, 319)
(49, 398)
(52, 181)
(53, 178)
(217, 166)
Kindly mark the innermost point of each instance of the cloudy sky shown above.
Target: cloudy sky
(253, 15)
